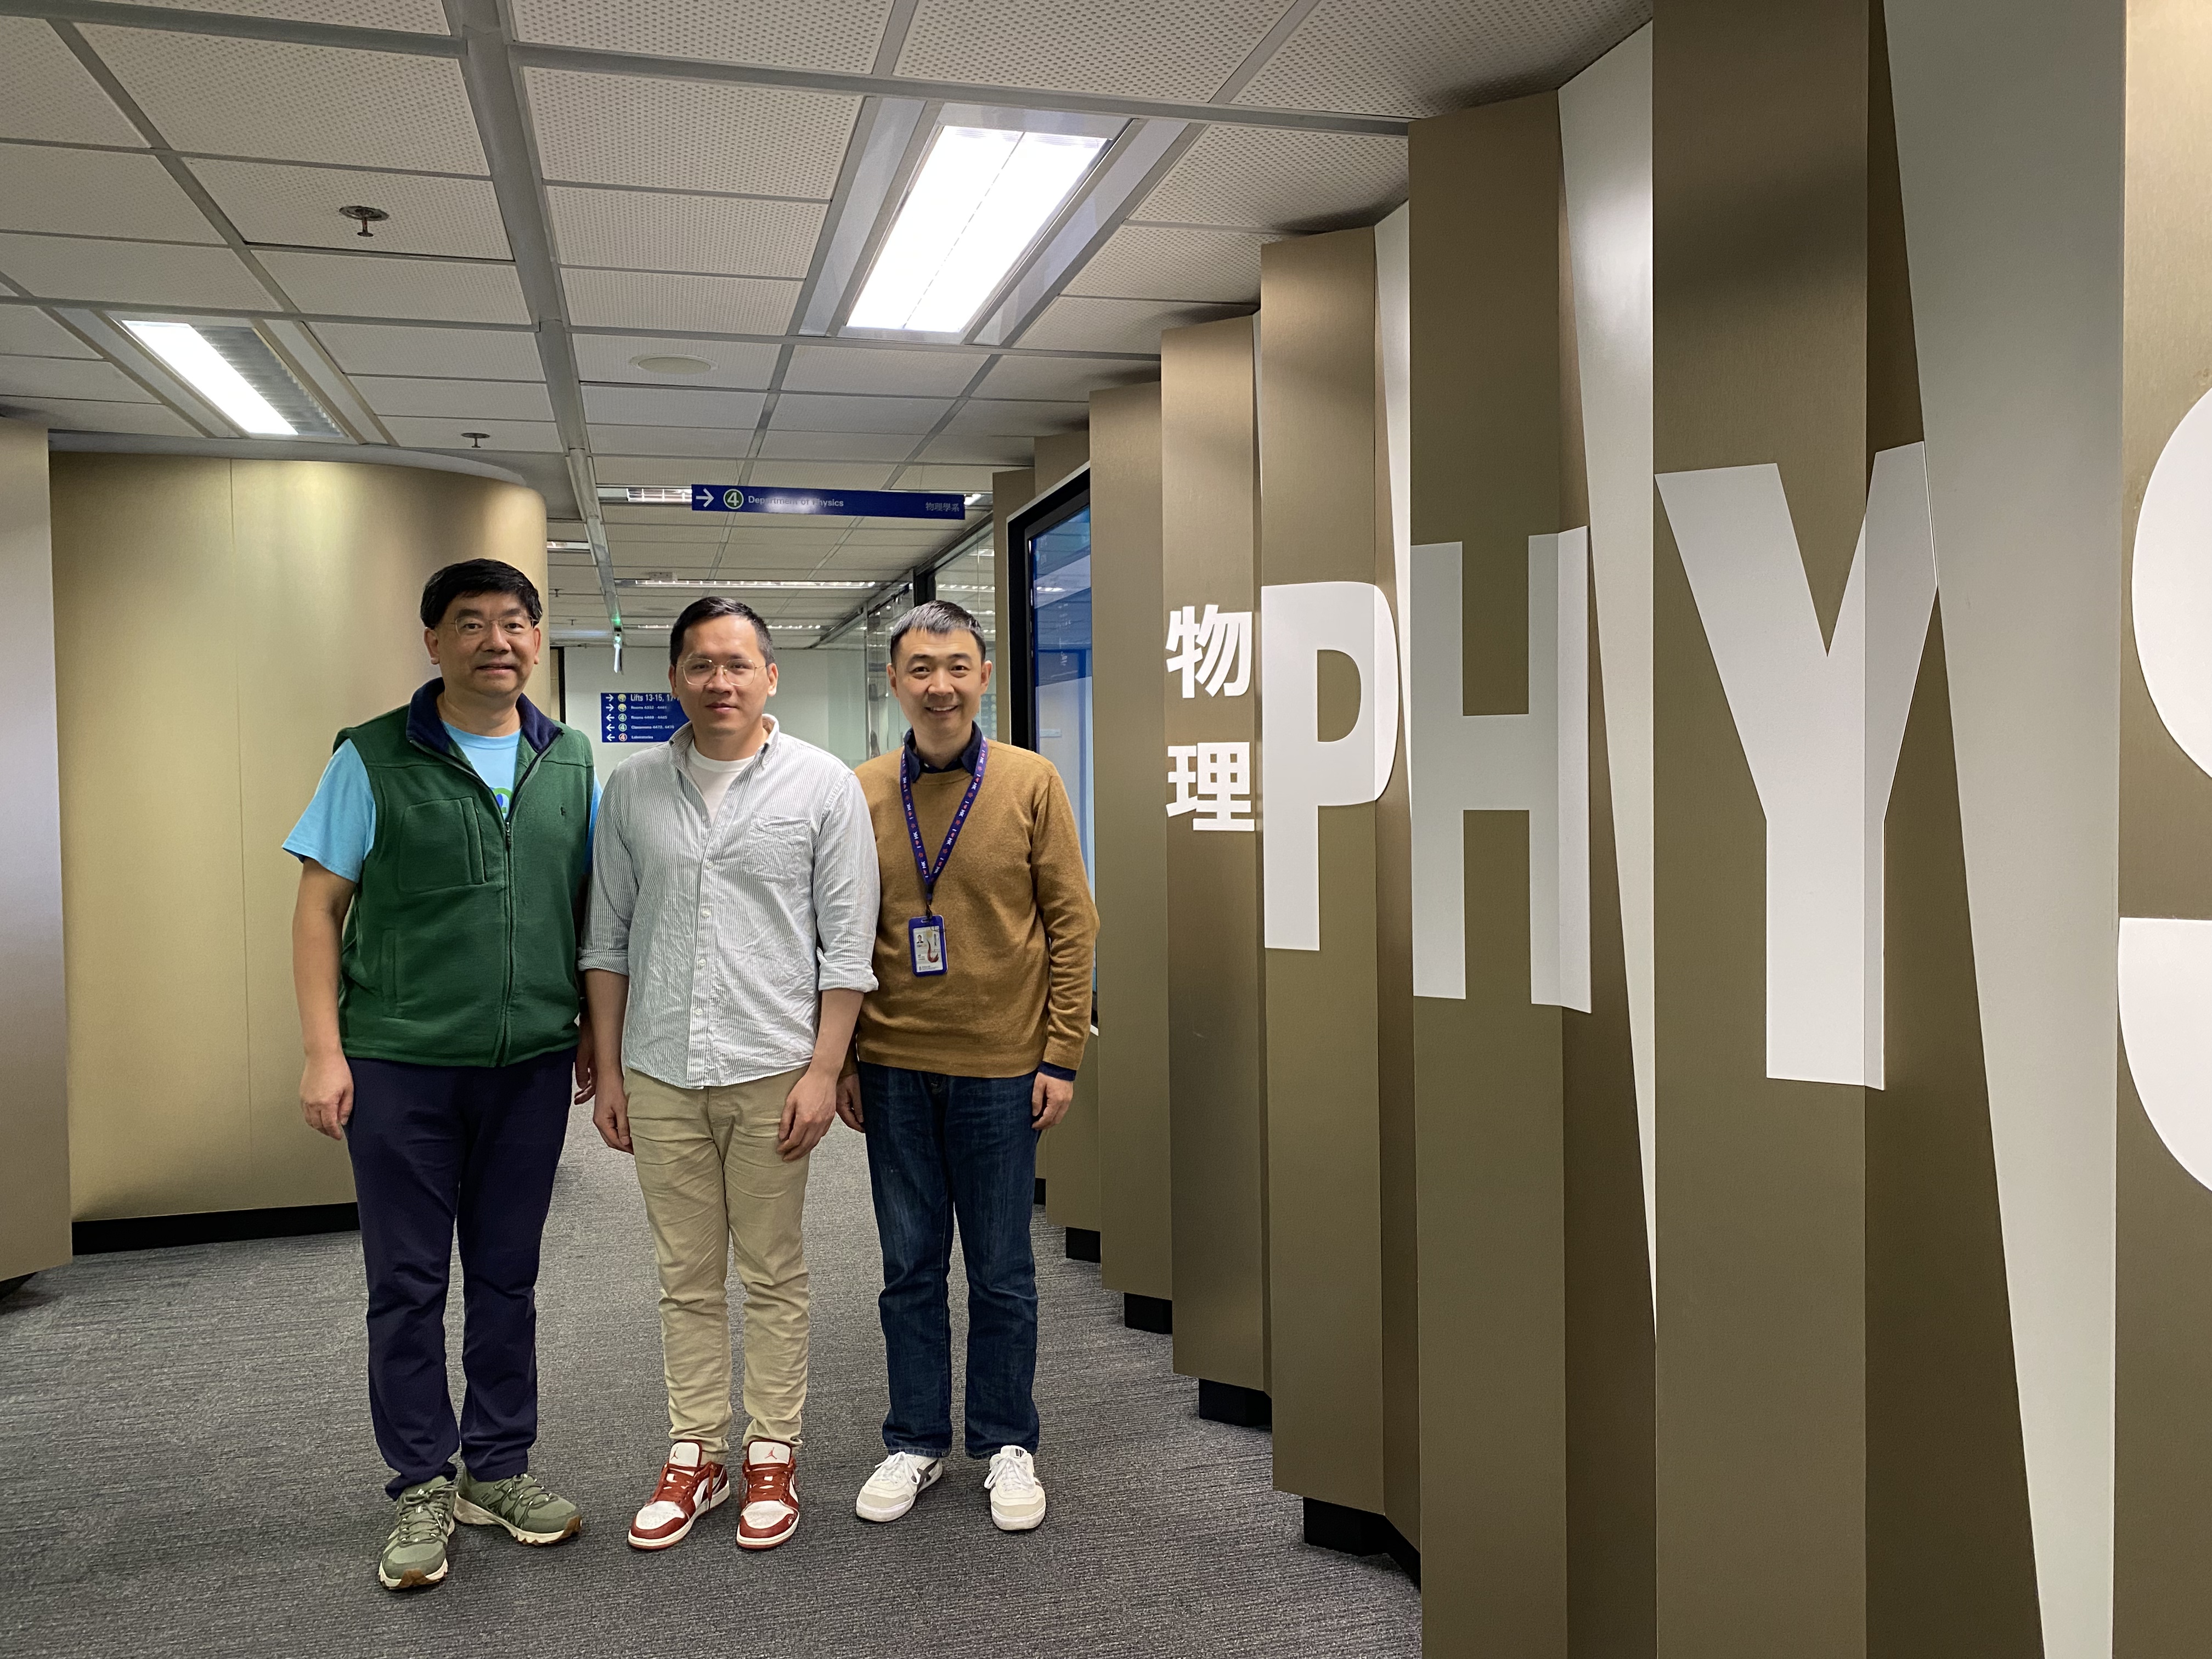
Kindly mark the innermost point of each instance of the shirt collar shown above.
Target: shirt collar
(968, 758)
(682, 742)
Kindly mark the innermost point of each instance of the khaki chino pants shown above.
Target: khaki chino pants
(707, 1164)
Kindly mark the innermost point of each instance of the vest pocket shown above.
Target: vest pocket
(435, 847)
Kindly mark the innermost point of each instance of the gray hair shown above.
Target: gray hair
(937, 618)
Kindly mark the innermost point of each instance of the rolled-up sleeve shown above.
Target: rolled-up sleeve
(614, 886)
(847, 892)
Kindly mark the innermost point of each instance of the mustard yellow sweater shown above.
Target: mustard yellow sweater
(1019, 924)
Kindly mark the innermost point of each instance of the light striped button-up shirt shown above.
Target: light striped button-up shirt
(730, 928)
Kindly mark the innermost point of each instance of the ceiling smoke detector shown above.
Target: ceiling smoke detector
(672, 365)
(364, 217)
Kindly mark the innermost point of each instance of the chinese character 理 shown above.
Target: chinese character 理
(1212, 780)
(1215, 650)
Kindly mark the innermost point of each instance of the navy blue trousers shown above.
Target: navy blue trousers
(439, 1150)
(943, 1150)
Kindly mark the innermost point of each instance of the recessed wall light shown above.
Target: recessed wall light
(982, 195)
(652, 365)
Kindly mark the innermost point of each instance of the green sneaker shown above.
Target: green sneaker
(415, 1554)
(531, 1514)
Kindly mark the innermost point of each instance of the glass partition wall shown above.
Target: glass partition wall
(1052, 576)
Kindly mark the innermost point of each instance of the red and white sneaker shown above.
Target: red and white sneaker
(689, 1486)
(770, 1514)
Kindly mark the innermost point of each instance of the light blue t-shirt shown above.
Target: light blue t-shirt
(339, 826)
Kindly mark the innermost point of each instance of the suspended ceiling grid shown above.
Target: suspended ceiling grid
(573, 184)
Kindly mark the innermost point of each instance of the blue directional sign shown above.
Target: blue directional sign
(638, 716)
(837, 503)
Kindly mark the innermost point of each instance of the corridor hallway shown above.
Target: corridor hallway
(187, 1466)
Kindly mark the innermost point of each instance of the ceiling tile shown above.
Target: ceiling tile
(729, 362)
(634, 472)
(415, 16)
(96, 192)
(45, 93)
(299, 206)
(360, 286)
(77, 414)
(1268, 178)
(688, 135)
(435, 431)
(1068, 378)
(817, 34)
(69, 377)
(1113, 325)
(721, 442)
(25, 332)
(667, 406)
(821, 412)
(1017, 420)
(979, 449)
(1161, 262)
(1437, 55)
(881, 369)
(506, 400)
(966, 479)
(721, 235)
(1139, 48)
(130, 273)
(645, 300)
(824, 475)
(466, 353)
(226, 96)
(836, 446)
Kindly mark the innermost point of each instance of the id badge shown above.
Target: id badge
(926, 936)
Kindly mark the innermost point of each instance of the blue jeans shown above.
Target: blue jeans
(437, 1151)
(941, 1148)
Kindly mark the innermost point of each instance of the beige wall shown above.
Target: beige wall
(35, 1177)
(1127, 625)
(270, 602)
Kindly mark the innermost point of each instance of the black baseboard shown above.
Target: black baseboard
(10, 1286)
(1234, 1405)
(158, 1232)
(1359, 1531)
(1155, 1314)
(1083, 1244)
(1040, 1190)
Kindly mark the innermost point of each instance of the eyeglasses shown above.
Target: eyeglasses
(701, 670)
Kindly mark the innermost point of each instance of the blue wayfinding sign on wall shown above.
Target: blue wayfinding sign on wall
(638, 716)
(837, 503)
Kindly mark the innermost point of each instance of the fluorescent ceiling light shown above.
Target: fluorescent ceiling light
(648, 494)
(189, 352)
(568, 547)
(716, 587)
(981, 196)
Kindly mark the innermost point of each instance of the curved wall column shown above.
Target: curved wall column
(216, 622)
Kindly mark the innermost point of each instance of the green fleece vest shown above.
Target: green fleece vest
(460, 948)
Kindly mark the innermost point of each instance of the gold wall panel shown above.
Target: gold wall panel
(274, 602)
(1210, 481)
(1127, 625)
(1319, 447)
(34, 1181)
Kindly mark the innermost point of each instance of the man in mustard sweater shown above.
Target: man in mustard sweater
(968, 1050)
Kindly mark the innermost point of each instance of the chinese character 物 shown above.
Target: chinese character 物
(1215, 650)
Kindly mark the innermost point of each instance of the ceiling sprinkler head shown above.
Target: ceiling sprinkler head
(476, 439)
(365, 216)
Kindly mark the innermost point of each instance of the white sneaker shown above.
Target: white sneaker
(1017, 1496)
(898, 1480)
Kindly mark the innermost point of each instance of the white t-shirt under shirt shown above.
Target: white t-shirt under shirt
(713, 777)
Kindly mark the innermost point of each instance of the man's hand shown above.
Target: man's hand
(848, 1102)
(326, 1094)
(587, 1063)
(1049, 1099)
(807, 1111)
(611, 1114)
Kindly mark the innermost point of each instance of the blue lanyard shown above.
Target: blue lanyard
(929, 872)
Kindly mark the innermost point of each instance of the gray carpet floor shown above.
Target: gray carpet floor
(186, 1468)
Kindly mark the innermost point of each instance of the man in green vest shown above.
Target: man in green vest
(444, 865)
